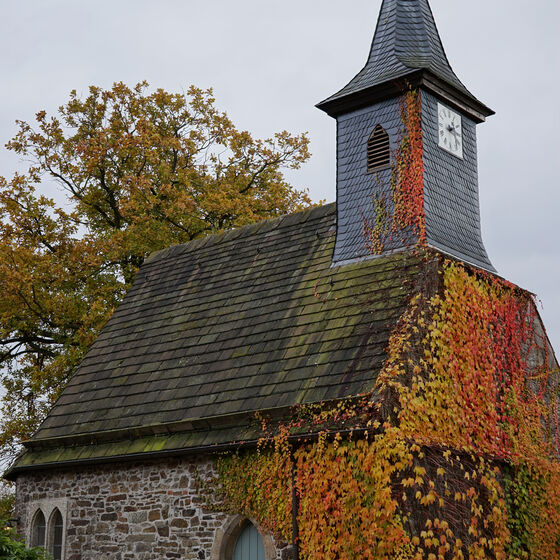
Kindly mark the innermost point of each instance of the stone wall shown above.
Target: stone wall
(141, 511)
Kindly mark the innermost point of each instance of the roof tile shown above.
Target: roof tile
(217, 328)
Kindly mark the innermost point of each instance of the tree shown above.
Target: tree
(12, 548)
(141, 171)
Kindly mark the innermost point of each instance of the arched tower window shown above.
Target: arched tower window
(249, 544)
(56, 533)
(378, 149)
(38, 529)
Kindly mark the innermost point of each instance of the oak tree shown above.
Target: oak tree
(141, 170)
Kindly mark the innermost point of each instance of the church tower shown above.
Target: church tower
(406, 109)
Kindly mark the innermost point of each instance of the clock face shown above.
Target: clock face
(450, 131)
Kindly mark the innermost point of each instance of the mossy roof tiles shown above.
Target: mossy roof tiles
(243, 321)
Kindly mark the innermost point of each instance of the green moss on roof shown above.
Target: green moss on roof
(243, 321)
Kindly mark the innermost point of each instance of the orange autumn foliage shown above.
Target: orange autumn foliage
(470, 387)
(408, 174)
(138, 171)
(466, 398)
(403, 218)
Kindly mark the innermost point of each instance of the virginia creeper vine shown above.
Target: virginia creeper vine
(402, 220)
(453, 455)
(436, 464)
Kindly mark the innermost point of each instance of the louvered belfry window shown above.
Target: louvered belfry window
(378, 149)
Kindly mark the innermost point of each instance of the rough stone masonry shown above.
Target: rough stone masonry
(141, 511)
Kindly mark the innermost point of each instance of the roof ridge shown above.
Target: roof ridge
(268, 224)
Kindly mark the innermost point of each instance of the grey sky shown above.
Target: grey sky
(270, 62)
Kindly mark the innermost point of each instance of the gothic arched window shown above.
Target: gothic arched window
(38, 529)
(249, 544)
(56, 533)
(378, 149)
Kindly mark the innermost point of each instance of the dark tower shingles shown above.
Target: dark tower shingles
(407, 44)
(406, 39)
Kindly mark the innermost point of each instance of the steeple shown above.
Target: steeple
(406, 50)
(407, 55)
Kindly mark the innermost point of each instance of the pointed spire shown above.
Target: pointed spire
(406, 47)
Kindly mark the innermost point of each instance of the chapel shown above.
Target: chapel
(308, 310)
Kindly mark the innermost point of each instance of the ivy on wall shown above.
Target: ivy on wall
(402, 219)
(453, 456)
(454, 453)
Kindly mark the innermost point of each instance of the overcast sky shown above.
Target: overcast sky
(269, 62)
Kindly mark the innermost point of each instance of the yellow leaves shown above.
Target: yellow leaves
(357, 495)
(473, 531)
(141, 171)
(348, 507)
(429, 498)
(444, 396)
(258, 485)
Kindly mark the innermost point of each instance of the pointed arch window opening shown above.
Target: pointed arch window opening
(56, 534)
(38, 529)
(378, 150)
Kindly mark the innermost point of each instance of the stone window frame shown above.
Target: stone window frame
(33, 528)
(48, 508)
(227, 535)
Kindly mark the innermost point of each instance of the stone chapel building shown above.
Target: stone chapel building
(287, 311)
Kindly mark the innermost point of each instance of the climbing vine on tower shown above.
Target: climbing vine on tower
(451, 456)
(401, 219)
(453, 452)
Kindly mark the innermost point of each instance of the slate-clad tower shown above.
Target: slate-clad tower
(224, 332)
(407, 53)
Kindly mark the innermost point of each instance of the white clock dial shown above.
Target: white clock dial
(450, 131)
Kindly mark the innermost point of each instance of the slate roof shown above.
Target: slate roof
(406, 40)
(253, 319)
